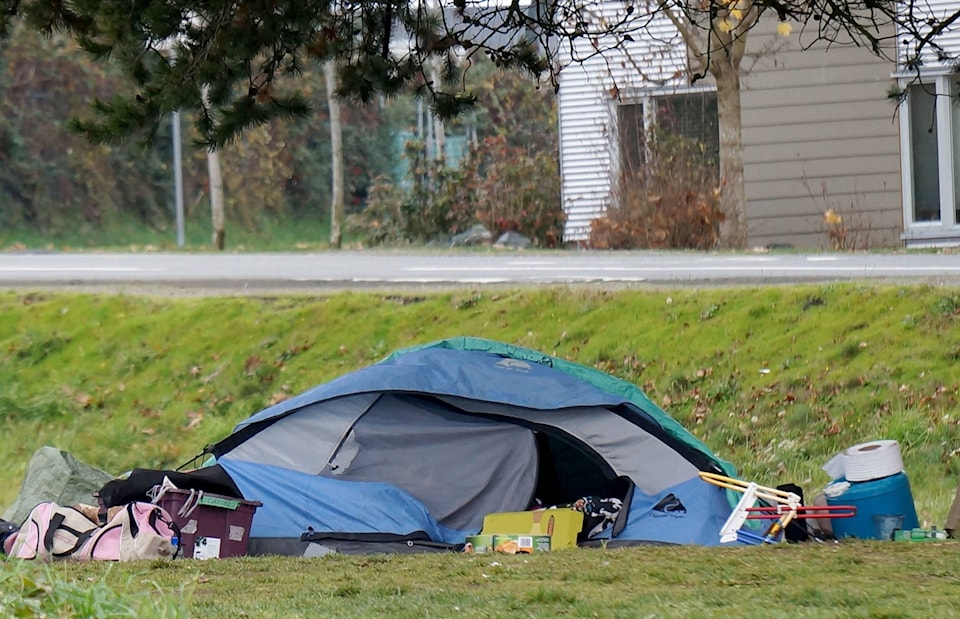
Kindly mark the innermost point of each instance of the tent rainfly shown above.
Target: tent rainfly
(414, 451)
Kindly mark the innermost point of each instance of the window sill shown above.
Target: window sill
(931, 237)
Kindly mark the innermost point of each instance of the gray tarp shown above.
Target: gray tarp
(55, 475)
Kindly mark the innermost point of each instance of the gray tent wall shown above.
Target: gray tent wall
(413, 443)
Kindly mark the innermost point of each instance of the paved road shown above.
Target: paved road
(350, 269)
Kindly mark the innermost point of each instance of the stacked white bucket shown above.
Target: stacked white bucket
(871, 477)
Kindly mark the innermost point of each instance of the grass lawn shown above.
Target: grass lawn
(850, 579)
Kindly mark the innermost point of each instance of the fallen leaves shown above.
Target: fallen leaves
(193, 420)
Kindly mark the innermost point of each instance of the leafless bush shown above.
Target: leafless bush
(847, 227)
(671, 201)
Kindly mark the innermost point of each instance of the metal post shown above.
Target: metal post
(419, 118)
(178, 175)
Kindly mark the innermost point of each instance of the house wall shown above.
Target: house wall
(949, 39)
(590, 88)
(819, 132)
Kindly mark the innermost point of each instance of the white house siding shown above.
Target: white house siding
(818, 133)
(949, 39)
(588, 97)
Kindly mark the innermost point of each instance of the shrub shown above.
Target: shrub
(512, 188)
(419, 213)
(672, 201)
(501, 186)
(382, 222)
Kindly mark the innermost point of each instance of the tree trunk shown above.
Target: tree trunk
(439, 135)
(733, 201)
(336, 154)
(216, 199)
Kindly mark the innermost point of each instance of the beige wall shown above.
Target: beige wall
(819, 133)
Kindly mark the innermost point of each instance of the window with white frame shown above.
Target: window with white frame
(930, 164)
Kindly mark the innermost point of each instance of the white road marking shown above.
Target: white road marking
(765, 269)
(77, 269)
(425, 280)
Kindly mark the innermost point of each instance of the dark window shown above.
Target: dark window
(630, 122)
(691, 115)
(926, 158)
(694, 116)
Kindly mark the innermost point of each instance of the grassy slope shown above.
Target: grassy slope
(133, 381)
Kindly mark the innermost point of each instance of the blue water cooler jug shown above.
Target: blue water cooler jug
(887, 496)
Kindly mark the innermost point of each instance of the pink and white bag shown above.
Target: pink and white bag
(138, 531)
(52, 532)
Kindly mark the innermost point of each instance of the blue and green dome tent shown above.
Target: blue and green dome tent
(422, 445)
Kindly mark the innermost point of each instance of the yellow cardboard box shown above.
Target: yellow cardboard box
(562, 525)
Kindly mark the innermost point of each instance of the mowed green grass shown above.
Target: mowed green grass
(585, 583)
(776, 380)
(858, 579)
